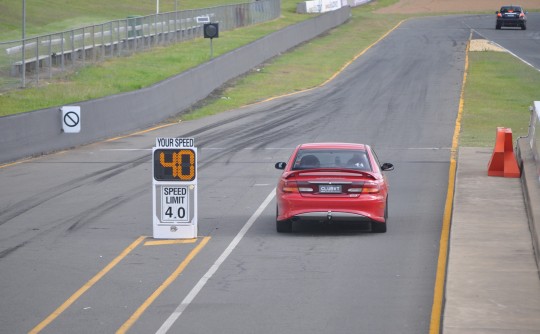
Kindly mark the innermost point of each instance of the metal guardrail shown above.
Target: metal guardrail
(26, 62)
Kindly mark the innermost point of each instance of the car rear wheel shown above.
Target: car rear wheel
(498, 26)
(378, 227)
(524, 27)
(283, 226)
(381, 227)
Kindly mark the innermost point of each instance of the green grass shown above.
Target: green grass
(301, 69)
(125, 74)
(49, 16)
(142, 70)
(498, 93)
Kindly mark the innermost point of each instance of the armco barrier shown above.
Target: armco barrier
(40, 131)
(528, 149)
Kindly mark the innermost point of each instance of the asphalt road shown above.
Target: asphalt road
(525, 44)
(67, 220)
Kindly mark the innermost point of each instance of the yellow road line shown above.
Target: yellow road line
(14, 163)
(361, 53)
(267, 100)
(438, 294)
(135, 316)
(104, 141)
(85, 287)
(170, 242)
(334, 75)
(140, 132)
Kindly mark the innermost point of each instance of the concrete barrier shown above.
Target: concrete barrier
(528, 153)
(38, 132)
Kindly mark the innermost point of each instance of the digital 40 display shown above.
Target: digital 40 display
(174, 164)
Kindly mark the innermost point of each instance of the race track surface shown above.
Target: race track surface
(65, 217)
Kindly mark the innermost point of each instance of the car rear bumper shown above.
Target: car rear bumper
(368, 208)
(510, 22)
(331, 216)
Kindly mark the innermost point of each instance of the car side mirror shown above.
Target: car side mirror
(387, 166)
(280, 165)
(497, 12)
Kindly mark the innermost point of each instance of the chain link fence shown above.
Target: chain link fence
(26, 62)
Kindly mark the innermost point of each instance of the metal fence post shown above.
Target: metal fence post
(50, 56)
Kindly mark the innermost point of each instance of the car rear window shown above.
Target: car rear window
(351, 159)
(506, 9)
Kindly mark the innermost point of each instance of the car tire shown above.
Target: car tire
(378, 227)
(381, 227)
(524, 27)
(284, 226)
(498, 27)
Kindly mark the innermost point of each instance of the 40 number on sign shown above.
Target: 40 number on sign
(174, 204)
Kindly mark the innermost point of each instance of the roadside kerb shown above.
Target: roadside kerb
(531, 193)
(527, 155)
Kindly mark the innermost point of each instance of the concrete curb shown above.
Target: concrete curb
(531, 192)
(492, 281)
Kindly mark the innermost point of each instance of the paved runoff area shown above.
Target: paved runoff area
(493, 284)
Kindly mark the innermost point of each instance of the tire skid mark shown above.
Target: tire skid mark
(271, 127)
(46, 195)
(91, 214)
(10, 250)
(81, 219)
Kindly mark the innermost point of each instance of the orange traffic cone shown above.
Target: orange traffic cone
(503, 161)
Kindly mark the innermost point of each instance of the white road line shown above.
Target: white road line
(510, 52)
(202, 282)
(248, 148)
(126, 149)
(272, 148)
(429, 148)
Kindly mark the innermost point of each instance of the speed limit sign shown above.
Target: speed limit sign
(174, 204)
(174, 188)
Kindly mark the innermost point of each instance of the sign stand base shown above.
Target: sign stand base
(175, 232)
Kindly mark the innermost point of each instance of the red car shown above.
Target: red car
(332, 182)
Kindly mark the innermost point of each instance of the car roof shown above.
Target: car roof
(331, 145)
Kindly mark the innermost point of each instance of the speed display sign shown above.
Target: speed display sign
(174, 188)
(174, 165)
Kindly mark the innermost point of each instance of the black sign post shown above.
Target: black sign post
(211, 30)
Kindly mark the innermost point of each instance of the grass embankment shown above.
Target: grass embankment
(304, 68)
(140, 70)
(51, 16)
(498, 93)
(308, 66)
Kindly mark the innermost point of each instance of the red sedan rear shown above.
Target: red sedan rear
(332, 182)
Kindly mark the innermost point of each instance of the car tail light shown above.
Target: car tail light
(521, 15)
(499, 15)
(296, 187)
(290, 187)
(371, 188)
